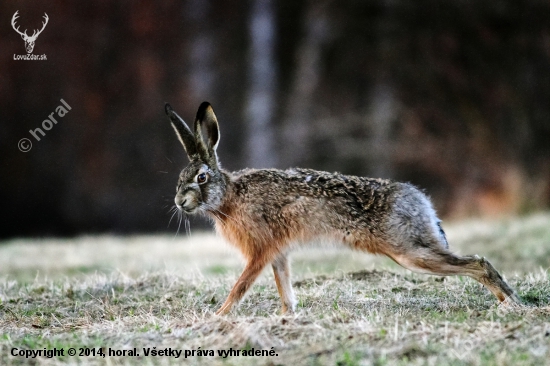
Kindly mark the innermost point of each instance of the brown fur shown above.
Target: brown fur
(264, 213)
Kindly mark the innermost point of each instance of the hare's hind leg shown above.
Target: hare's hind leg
(281, 270)
(434, 259)
(419, 244)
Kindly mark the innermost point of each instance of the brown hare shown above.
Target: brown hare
(267, 212)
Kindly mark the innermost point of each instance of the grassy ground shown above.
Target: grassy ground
(126, 293)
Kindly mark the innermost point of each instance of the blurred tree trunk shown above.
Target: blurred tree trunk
(383, 116)
(201, 51)
(262, 86)
(297, 124)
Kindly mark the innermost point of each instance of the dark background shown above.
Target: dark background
(452, 96)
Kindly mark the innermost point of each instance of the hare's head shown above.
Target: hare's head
(201, 184)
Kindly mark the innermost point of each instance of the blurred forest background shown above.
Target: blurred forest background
(453, 96)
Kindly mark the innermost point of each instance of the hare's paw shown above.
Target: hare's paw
(512, 302)
(222, 312)
(285, 310)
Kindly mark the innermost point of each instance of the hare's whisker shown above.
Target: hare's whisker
(216, 213)
(187, 227)
(180, 216)
(174, 209)
(213, 209)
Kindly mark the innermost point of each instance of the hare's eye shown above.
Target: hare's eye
(201, 178)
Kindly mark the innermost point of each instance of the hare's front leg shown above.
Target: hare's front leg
(251, 271)
(281, 270)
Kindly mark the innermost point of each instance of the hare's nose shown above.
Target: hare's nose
(180, 201)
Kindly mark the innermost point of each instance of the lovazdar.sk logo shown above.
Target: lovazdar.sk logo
(29, 40)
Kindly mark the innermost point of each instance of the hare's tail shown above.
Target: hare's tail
(443, 236)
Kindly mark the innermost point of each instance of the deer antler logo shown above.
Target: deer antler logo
(29, 40)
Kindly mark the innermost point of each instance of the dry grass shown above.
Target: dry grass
(355, 309)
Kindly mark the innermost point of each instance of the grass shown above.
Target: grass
(126, 293)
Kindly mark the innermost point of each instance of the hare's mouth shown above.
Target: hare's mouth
(188, 205)
(187, 210)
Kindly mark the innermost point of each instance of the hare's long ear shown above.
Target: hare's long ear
(183, 131)
(207, 119)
